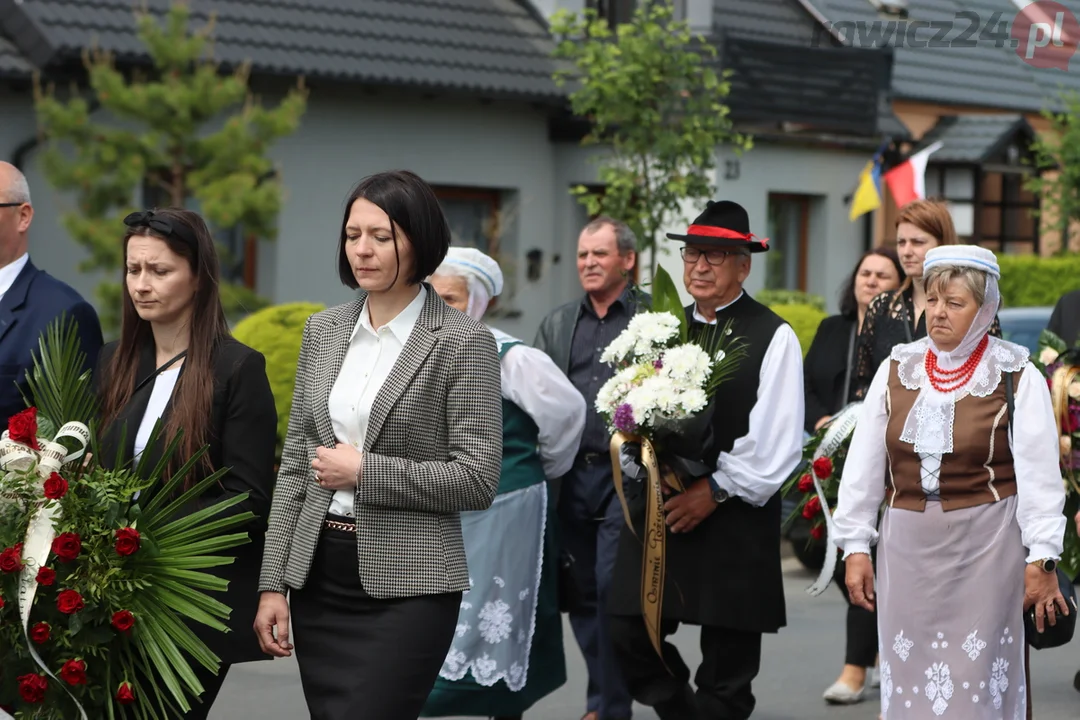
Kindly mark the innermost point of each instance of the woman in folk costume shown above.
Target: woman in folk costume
(973, 524)
(507, 652)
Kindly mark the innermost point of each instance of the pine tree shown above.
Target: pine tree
(183, 129)
(655, 104)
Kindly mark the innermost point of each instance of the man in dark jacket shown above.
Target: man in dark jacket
(575, 335)
(30, 299)
(1065, 321)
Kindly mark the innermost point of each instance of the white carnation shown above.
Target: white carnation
(620, 348)
(652, 332)
(1048, 355)
(693, 401)
(686, 364)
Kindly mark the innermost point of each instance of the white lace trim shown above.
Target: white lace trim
(929, 425)
(496, 623)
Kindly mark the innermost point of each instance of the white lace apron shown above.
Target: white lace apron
(505, 549)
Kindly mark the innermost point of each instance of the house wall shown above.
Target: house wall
(50, 247)
(826, 175)
(348, 135)
(345, 135)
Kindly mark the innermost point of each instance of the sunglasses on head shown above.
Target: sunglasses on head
(163, 225)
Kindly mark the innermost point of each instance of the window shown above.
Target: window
(474, 217)
(789, 222)
(615, 12)
(989, 206)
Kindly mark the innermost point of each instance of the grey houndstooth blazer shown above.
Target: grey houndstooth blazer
(433, 449)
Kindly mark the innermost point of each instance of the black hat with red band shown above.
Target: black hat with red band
(723, 224)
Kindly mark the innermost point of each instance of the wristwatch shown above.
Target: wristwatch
(1046, 564)
(719, 495)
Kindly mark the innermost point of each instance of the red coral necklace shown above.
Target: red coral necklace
(949, 380)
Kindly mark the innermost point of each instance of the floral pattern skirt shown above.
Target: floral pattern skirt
(950, 591)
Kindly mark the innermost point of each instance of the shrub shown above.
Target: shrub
(276, 332)
(789, 297)
(804, 320)
(1031, 281)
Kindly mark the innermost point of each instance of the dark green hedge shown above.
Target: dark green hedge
(1030, 281)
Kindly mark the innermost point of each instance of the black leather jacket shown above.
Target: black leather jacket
(556, 331)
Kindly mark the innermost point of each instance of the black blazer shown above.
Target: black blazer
(824, 368)
(1065, 320)
(242, 438)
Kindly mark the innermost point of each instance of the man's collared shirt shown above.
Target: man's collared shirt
(10, 272)
(592, 335)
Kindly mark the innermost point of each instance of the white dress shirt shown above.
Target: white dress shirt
(368, 362)
(9, 272)
(760, 461)
(1034, 445)
(164, 384)
(532, 381)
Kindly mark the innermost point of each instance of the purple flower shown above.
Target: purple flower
(624, 418)
(658, 363)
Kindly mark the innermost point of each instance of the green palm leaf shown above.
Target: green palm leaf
(59, 386)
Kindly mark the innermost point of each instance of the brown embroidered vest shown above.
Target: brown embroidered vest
(978, 471)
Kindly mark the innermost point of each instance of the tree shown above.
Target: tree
(1057, 152)
(156, 137)
(653, 99)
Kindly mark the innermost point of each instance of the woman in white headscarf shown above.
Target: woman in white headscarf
(508, 652)
(973, 525)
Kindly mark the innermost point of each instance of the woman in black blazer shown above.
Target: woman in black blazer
(827, 383)
(193, 375)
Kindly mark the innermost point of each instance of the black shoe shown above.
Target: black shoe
(681, 707)
(1076, 681)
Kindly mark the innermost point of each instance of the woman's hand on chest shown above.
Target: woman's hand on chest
(339, 467)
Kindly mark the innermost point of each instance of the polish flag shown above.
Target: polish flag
(907, 181)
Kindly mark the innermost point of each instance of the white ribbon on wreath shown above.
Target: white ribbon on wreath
(839, 429)
(52, 456)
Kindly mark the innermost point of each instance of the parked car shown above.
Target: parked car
(1023, 325)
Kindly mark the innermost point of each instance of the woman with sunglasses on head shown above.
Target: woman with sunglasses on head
(191, 375)
(396, 427)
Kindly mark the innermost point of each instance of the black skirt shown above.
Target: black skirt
(360, 657)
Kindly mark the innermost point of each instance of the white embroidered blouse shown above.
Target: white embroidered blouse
(1033, 441)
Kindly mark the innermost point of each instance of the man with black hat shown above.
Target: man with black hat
(723, 543)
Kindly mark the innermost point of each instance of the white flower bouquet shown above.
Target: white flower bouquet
(665, 374)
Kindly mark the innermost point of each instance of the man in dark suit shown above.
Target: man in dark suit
(30, 299)
(1065, 322)
(574, 336)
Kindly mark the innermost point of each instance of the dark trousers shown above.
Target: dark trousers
(211, 683)
(360, 657)
(730, 660)
(862, 640)
(591, 535)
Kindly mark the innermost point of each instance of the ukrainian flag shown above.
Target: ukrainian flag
(868, 194)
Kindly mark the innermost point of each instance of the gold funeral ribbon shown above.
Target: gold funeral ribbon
(654, 543)
(1059, 398)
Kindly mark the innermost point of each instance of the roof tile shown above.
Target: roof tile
(490, 46)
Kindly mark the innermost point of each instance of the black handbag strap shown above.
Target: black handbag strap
(168, 364)
(849, 364)
(1010, 401)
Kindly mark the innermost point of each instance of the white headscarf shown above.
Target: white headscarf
(929, 424)
(481, 273)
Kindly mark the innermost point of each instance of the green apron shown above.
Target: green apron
(521, 468)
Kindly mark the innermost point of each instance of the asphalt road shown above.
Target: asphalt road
(797, 665)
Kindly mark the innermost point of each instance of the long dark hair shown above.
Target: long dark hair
(849, 305)
(193, 396)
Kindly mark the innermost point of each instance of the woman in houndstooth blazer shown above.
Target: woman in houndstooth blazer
(395, 428)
